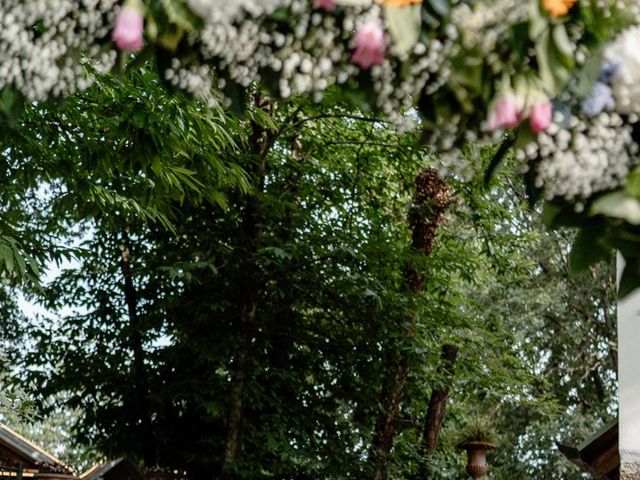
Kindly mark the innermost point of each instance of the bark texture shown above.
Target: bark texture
(438, 401)
(431, 199)
(139, 380)
(437, 407)
(249, 286)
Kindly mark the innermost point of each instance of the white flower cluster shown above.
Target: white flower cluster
(307, 59)
(482, 24)
(197, 80)
(581, 156)
(624, 53)
(428, 72)
(312, 55)
(41, 41)
(213, 11)
(463, 161)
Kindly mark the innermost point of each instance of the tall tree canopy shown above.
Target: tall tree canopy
(286, 295)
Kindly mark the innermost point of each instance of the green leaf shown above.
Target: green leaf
(558, 214)
(171, 39)
(630, 279)
(6, 254)
(550, 212)
(632, 185)
(404, 26)
(11, 104)
(538, 22)
(563, 45)
(263, 119)
(553, 64)
(180, 15)
(587, 250)
(142, 57)
(441, 7)
(589, 74)
(619, 204)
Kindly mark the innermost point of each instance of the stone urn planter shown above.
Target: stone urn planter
(477, 456)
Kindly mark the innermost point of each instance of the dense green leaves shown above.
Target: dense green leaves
(231, 294)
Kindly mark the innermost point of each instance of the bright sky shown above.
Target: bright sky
(51, 272)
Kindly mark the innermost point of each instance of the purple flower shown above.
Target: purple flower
(600, 99)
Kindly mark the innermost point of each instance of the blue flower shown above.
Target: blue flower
(601, 98)
(608, 70)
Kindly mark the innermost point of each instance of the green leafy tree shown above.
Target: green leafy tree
(244, 294)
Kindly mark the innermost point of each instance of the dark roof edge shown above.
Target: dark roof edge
(30, 450)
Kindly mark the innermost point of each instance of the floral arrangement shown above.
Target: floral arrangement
(41, 43)
(557, 80)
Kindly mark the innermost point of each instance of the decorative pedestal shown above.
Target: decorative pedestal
(477, 457)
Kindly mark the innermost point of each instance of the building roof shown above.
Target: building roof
(118, 469)
(598, 455)
(31, 452)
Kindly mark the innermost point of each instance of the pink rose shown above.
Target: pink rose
(370, 45)
(504, 115)
(328, 5)
(127, 33)
(540, 116)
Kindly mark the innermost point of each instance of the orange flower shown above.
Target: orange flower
(398, 3)
(558, 8)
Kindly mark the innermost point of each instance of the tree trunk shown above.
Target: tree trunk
(386, 424)
(236, 393)
(250, 236)
(142, 408)
(437, 406)
(431, 198)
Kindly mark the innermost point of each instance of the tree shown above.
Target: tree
(554, 319)
(236, 297)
